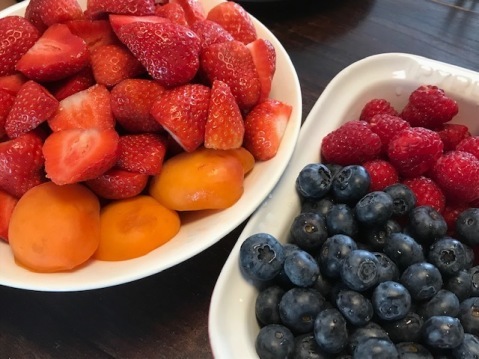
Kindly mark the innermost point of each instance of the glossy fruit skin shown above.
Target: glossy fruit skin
(460, 284)
(443, 332)
(443, 303)
(333, 251)
(355, 307)
(423, 280)
(391, 300)
(404, 199)
(448, 255)
(359, 270)
(341, 220)
(301, 268)
(468, 349)
(330, 331)
(274, 341)
(467, 226)
(403, 250)
(375, 348)
(407, 329)
(350, 184)
(388, 270)
(314, 181)
(426, 224)
(361, 334)
(468, 315)
(375, 208)
(308, 231)
(474, 272)
(266, 305)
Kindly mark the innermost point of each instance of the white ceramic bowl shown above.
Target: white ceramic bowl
(232, 324)
(198, 231)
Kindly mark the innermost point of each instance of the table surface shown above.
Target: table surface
(166, 315)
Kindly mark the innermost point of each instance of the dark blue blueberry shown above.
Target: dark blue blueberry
(377, 236)
(319, 206)
(332, 253)
(376, 348)
(361, 334)
(468, 349)
(330, 331)
(387, 269)
(407, 329)
(467, 226)
(412, 350)
(474, 271)
(355, 307)
(470, 257)
(448, 255)
(443, 332)
(460, 284)
(403, 250)
(308, 231)
(301, 268)
(375, 208)
(426, 225)
(391, 301)
(422, 280)
(266, 305)
(443, 303)
(323, 285)
(334, 168)
(403, 197)
(274, 341)
(469, 315)
(314, 181)
(350, 184)
(261, 257)
(341, 220)
(359, 270)
(305, 347)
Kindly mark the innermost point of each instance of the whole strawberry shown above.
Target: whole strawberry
(427, 192)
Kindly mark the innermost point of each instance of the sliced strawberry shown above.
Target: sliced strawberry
(210, 32)
(85, 109)
(7, 204)
(173, 12)
(117, 21)
(224, 128)
(56, 55)
(142, 153)
(232, 62)
(21, 163)
(131, 102)
(6, 103)
(18, 36)
(77, 155)
(71, 85)
(94, 32)
(169, 52)
(97, 8)
(234, 19)
(183, 111)
(264, 58)
(118, 184)
(193, 9)
(33, 105)
(264, 128)
(12, 83)
(44, 13)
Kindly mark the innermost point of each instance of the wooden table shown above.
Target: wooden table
(166, 315)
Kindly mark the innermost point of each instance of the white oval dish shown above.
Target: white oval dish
(232, 323)
(198, 231)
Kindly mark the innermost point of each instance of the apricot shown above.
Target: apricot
(203, 179)
(244, 156)
(133, 227)
(55, 228)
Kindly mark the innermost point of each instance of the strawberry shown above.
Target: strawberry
(193, 10)
(7, 204)
(168, 51)
(12, 83)
(469, 144)
(76, 154)
(264, 58)
(85, 109)
(18, 36)
(382, 174)
(142, 153)
(182, 111)
(114, 63)
(33, 105)
(172, 11)
(352, 143)
(131, 102)
(21, 164)
(117, 21)
(232, 63)
(457, 174)
(386, 126)
(427, 192)
(48, 12)
(429, 107)
(377, 106)
(71, 85)
(413, 151)
(265, 125)
(451, 134)
(97, 8)
(56, 55)
(94, 32)
(209, 32)
(118, 184)
(6, 103)
(234, 19)
(224, 128)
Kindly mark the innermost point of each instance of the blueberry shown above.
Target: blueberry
(274, 341)
(403, 250)
(470, 257)
(426, 224)
(314, 181)
(443, 332)
(460, 284)
(376, 236)
(376, 348)
(355, 307)
(469, 315)
(387, 269)
(350, 184)
(422, 280)
(261, 257)
(403, 197)
(359, 270)
(361, 334)
(407, 329)
(308, 231)
(330, 331)
(266, 305)
(332, 253)
(468, 349)
(448, 255)
(474, 272)
(334, 168)
(321, 206)
(412, 350)
(467, 226)
(301, 268)
(305, 347)
(322, 284)
(375, 208)
(341, 220)
(443, 303)
(391, 301)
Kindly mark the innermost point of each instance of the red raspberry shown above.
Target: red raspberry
(352, 143)
(427, 192)
(451, 134)
(413, 151)
(457, 173)
(387, 126)
(450, 214)
(469, 144)
(377, 106)
(429, 107)
(382, 174)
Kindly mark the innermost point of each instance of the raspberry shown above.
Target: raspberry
(427, 192)
(469, 144)
(429, 107)
(450, 213)
(387, 126)
(382, 174)
(413, 151)
(452, 134)
(352, 143)
(377, 106)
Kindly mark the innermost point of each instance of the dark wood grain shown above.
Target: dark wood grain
(166, 315)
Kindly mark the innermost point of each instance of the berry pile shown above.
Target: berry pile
(381, 259)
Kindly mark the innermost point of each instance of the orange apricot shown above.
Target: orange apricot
(244, 156)
(55, 228)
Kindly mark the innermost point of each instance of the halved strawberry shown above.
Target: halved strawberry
(18, 36)
(12, 83)
(182, 111)
(193, 9)
(118, 184)
(117, 21)
(98, 8)
(94, 32)
(210, 32)
(6, 103)
(44, 13)
(80, 81)
(173, 12)
(56, 55)
(264, 58)
(264, 128)
(76, 155)
(85, 109)
(7, 204)
(33, 105)
(224, 127)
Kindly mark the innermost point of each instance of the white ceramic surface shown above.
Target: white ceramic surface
(199, 231)
(232, 324)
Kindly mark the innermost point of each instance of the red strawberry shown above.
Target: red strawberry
(85, 109)
(427, 192)
(7, 204)
(265, 125)
(97, 8)
(210, 32)
(224, 128)
(264, 58)
(18, 36)
(469, 144)
(168, 51)
(172, 11)
(193, 9)
(131, 102)
(80, 81)
(232, 63)
(382, 174)
(6, 103)
(429, 107)
(33, 105)
(56, 55)
(118, 184)
(21, 163)
(387, 126)
(183, 111)
(457, 173)
(413, 151)
(44, 13)
(118, 21)
(94, 32)
(76, 155)
(352, 143)
(234, 19)
(451, 134)
(12, 83)
(377, 106)
(142, 153)
(114, 63)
